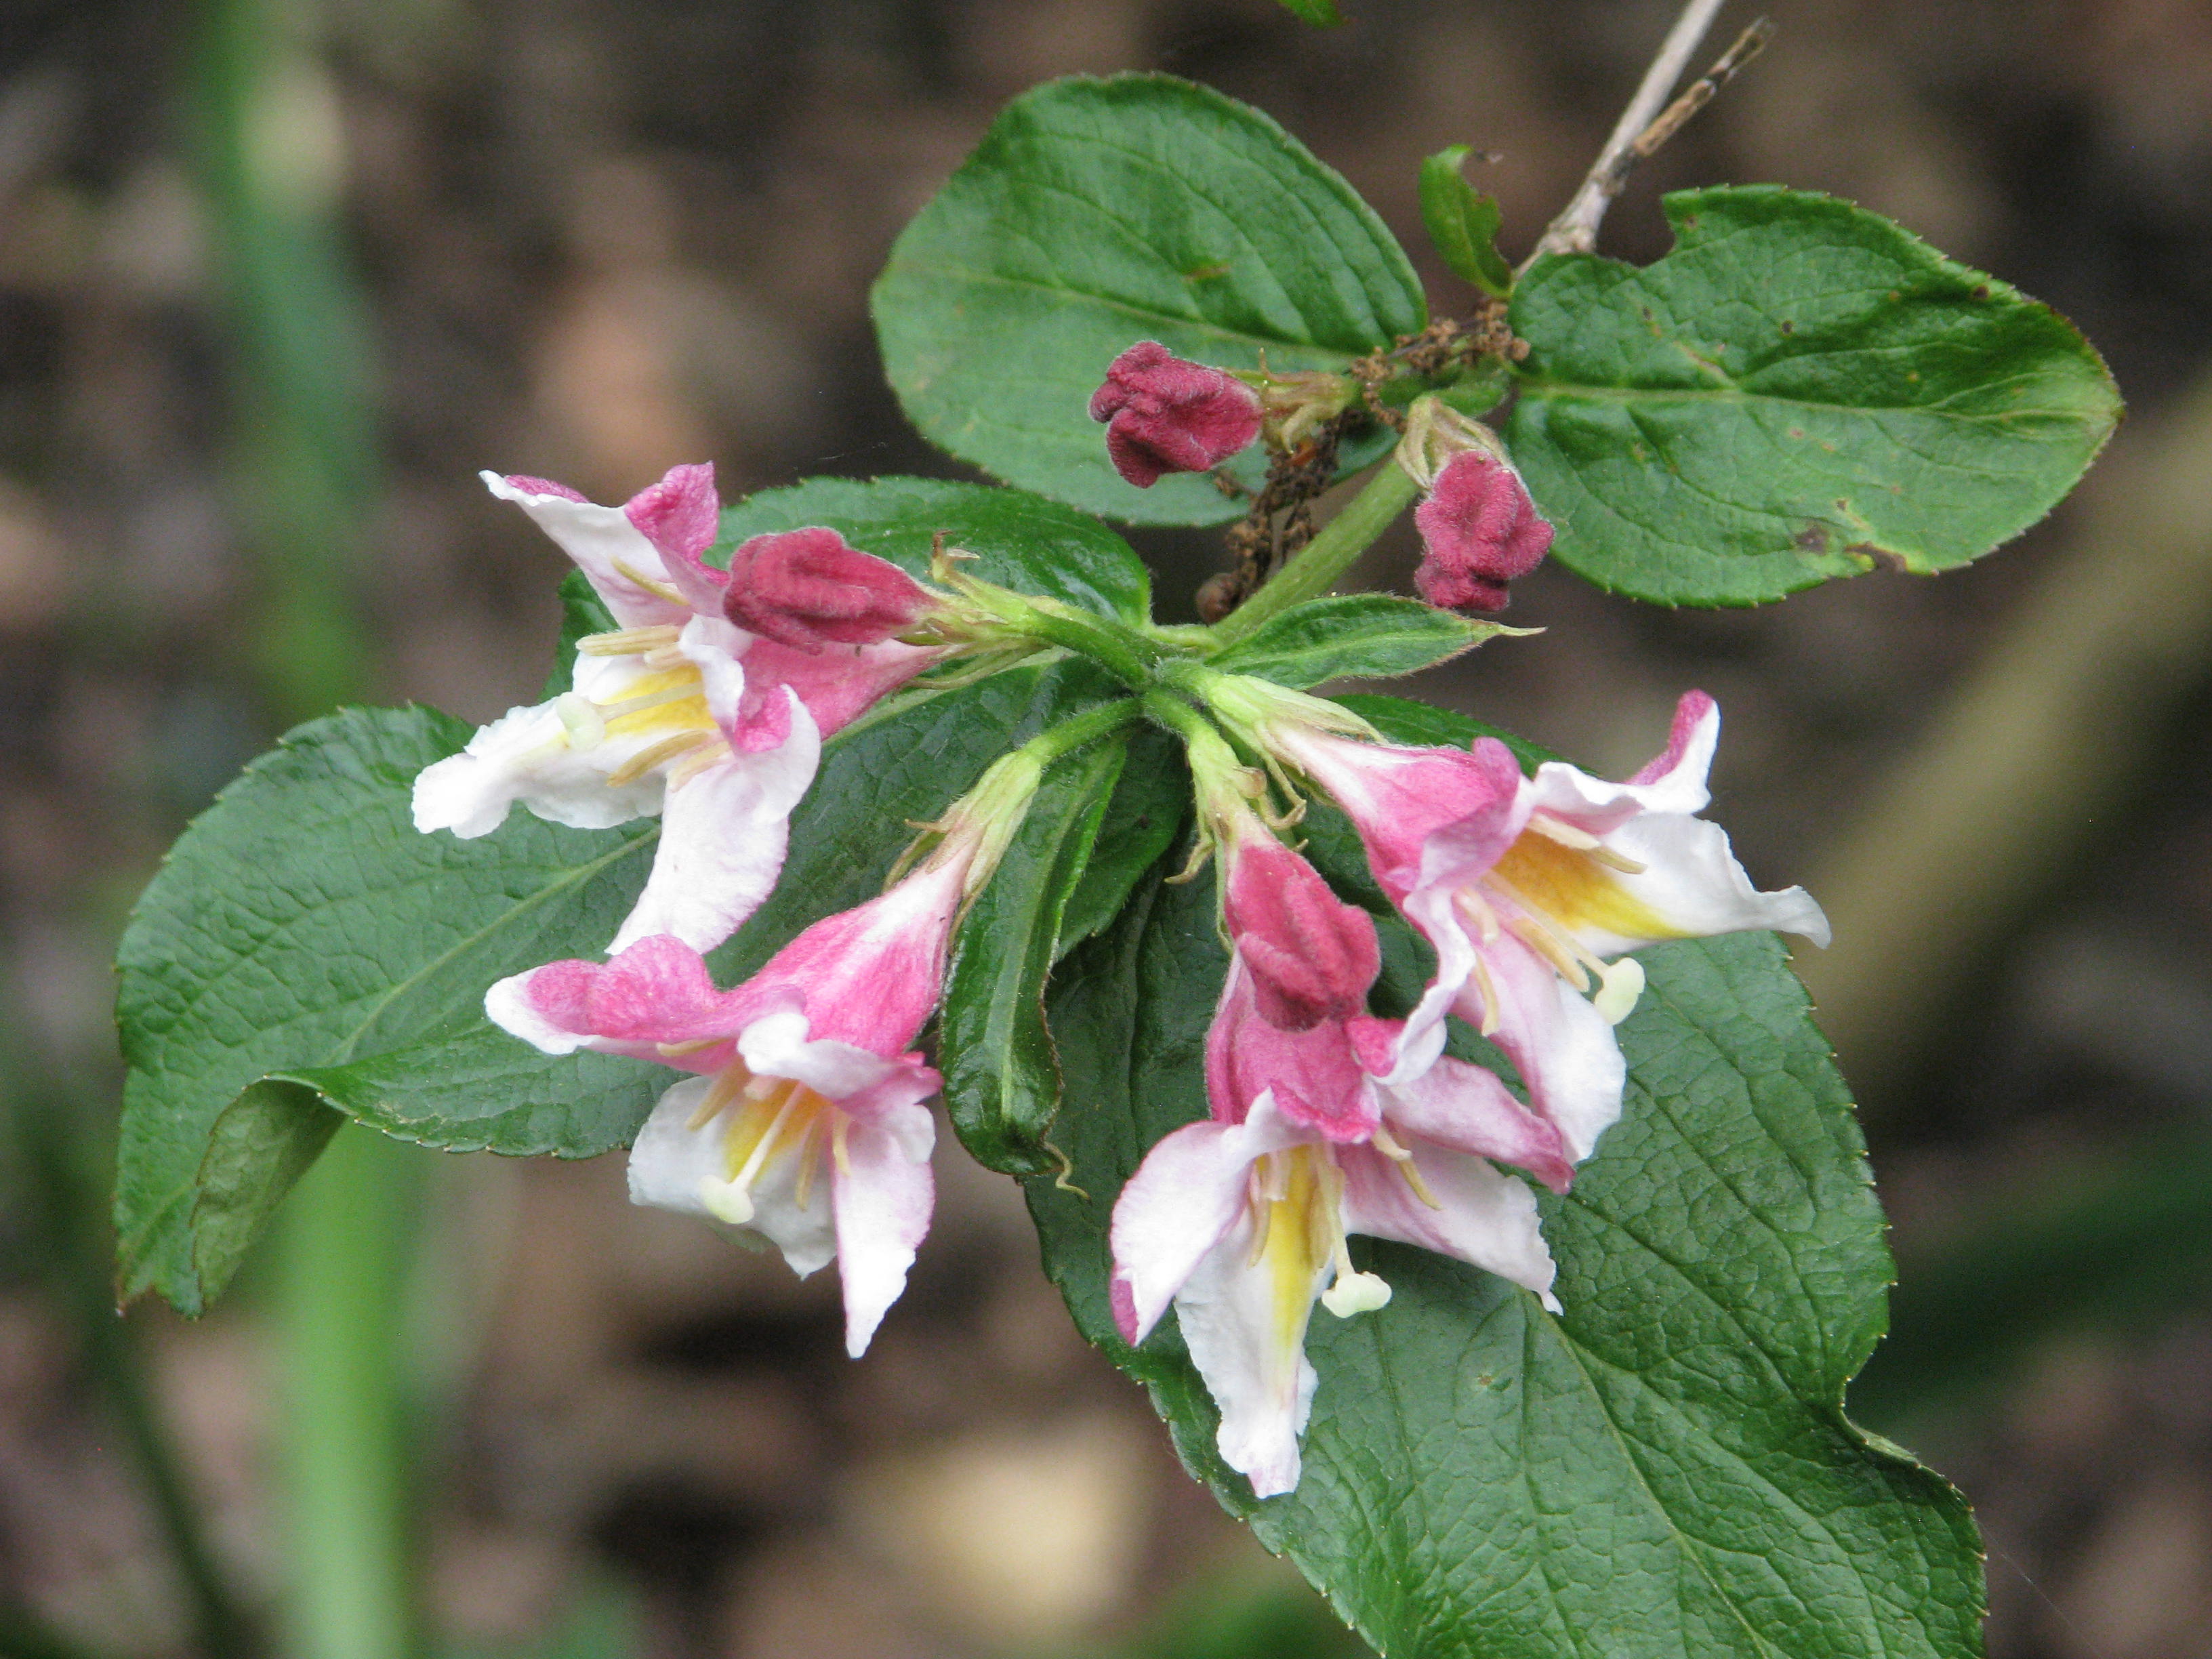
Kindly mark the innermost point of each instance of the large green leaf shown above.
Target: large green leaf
(1800, 390)
(1019, 541)
(1663, 1472)
(1096, 214)
(302, 922)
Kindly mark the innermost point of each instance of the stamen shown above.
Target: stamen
(653, 585)
(665, 656)
(744, 1174)
(709, 754)
(580, 719)
(626, 641)
(650, 700)
(1476, 909)
(840, 1126)
(1356, 1293)
(1546, 944)
(1387, 1144)
(677, 1050)
(810, 1154)
(1581, 841)
(1487, 988)
(646, 759)
(729, 1082)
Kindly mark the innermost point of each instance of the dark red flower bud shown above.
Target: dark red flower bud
(1312, 956)
(809, 590)
(1165, 414)
(1479, 531)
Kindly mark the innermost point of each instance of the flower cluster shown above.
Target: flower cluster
(803, 1112)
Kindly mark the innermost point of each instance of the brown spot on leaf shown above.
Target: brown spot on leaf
(1788, 327)
(1796, 431)
(1812, 538)
(1871, 556)
(1981, 290)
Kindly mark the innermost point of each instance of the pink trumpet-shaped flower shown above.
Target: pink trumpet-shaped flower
(1241, 1221)
(678, 712)
(1480, 530)
(807, 1121)
(1532, 890)
(1166, 414)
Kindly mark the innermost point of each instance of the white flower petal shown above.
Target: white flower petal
(716, 646)
(1183, 1198)
(669, 1161)
(1246, 1333)
(806, 1234)
(526, 755)
(1483, 1216)
(883, 1196)
(1563, 1046)
(601, 540)
(1694, 884)
(776, 1045)
(723, 836)
(1675, 783)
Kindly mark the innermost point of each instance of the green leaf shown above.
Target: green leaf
(1144, 819)
(1323, 12)
(1663, 1472)
(1096, 214)
(1800, 390)
(1001, 1079)
(1463, 223)
(1020, 541)
(302, 922)
(1353, 636)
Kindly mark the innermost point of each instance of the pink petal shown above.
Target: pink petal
(1483, 1217)
(1467, 1109)
(604, 542)
(809, 590)
(1311, 955)
(681, 516)
(1166, 414)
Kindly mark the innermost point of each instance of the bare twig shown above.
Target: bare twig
(1575, 231)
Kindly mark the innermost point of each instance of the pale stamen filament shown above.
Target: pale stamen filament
(1581, 841)
(626, 641)
(729, 1082)
(809, 1152)
(1388, 1144)
(650, 700)
(743, 1175)
(707, 754)
(653, 585)
(1476, 909)
(695, 1045)
(646, 759)
(1576, 961)
(667, 656)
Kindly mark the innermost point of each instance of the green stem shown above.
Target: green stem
(1079, 730)
(341, 1300)
(1317, 565)
(1123, 652)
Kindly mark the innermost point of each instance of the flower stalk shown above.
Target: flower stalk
(1315, 568)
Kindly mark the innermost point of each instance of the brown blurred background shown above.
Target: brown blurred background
(585, 239)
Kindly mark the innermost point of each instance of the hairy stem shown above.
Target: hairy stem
(1575, 231)
(1056, 742)
(1318, 564)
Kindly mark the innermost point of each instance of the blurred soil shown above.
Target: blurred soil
(597, 238)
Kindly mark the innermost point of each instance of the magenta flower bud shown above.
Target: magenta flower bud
(1479, 531)
(809, 590)
(1312, 956)
(1166, 414)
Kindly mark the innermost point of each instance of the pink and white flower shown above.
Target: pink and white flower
(1533, 890)
(1240, 1222)
(680, 711)
(806, 1120)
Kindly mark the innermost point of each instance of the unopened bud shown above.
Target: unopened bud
(1166, 414)
(1311, 955)
(1480, 530)
(809, 590)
